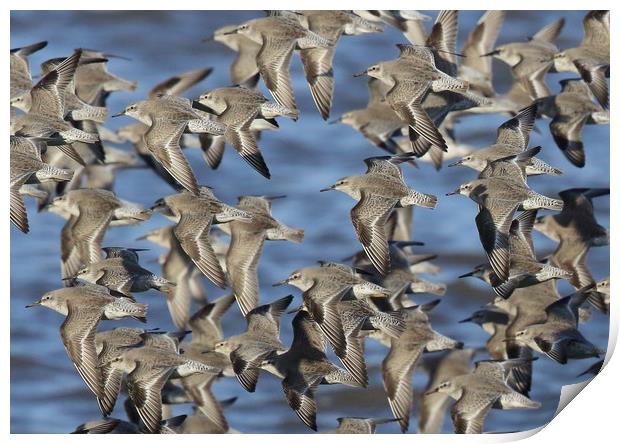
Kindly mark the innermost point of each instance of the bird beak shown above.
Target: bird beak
(471, 273)
(234, 31)
(34, 304)
(508, 339)
(338, 120)
(295, 310)
(490, 54)
(329, 188)
(465, 320)
(116, 56)
(69, 278)
(360, 74)
(280, 283)
(430, 392)
(122, 113)
(457, 191)
(458, 162)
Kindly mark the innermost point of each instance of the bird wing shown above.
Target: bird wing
(494, 231)
(18, 213)
(70, 262)
(112, 379)
(239, 135)
(595, 77)
(198, 387)
(299, 394)
(192, 232)
(566, 131)
(265, 320)
(78, 336)
(596, 30)
(241, 262)
(549, 33)
(443, 39)
(273, 62)
(385, 165)
(369, 218)
(322, 300)
(406, 99)
(162, 140)
(397, 369)
(571, 255)
(144, 385)
(88, 232)
(516, 131)
(470, 411)
(480, 42)
(175, 85)
(206, 322)
(320, 76)
(48, 95)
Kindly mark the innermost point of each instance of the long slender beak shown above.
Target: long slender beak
(458, 162)
(34, 304)
(465, 320)
(116, 56)
(331, 187)
(280, 283)
(431, 391)
(333, 121)
(508, 339)
(69, 278)
(281, 196)
(451, 193)
(142, 237)
(490, 54)
(295, 310)
(360, 74)
(122, 113)
(471, 273)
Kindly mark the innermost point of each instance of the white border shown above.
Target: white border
(589, 419)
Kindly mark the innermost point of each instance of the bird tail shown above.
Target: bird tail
(95, 113)
(392, 323)
(416, 198)
(555, 272)
(229, 213)
(79, 135)
(139, 311)
(163, 285)
(273, 109)
(537, 167)
(423, 286)
(59, 173)
(540, 201)
(284, 232)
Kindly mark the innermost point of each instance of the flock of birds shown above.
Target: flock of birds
(58, 156)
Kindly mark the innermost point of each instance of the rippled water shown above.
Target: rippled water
(47, 395)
